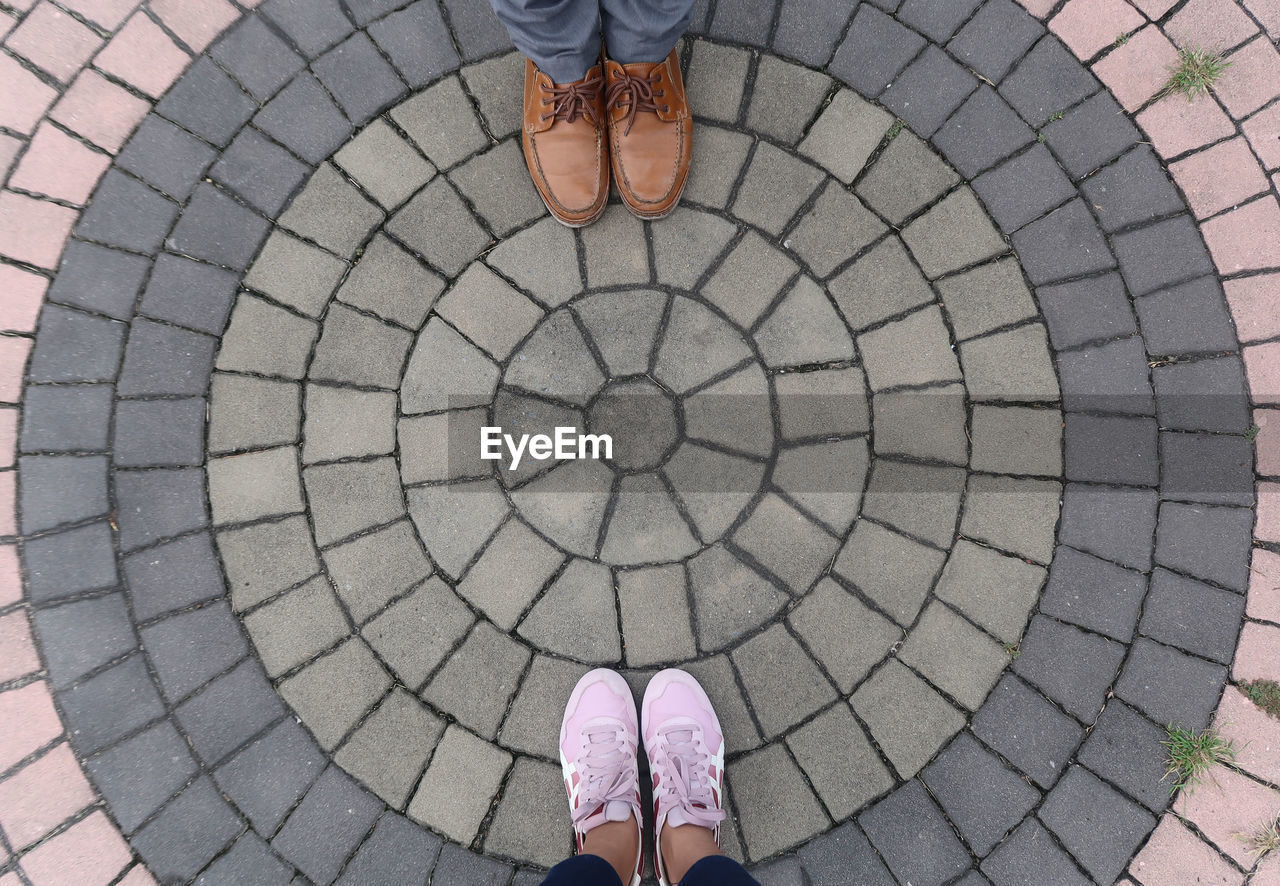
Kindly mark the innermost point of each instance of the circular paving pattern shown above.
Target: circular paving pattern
(840, 445)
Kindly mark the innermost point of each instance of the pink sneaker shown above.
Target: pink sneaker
(598, 743)
(685, 745)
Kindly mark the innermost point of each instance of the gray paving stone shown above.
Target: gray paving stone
(1017, 440)
(615, 250)
(442, 446)
(173, 575)
(930, 88)
(60, 418)
(110, 705)
(697, 346)
(893, 571)
(573, 616)
(654, 609)
(774, 188)
(936, 19)
(1209, 543)
(486, 658)
(784, 871)
(710, 184)
(415, 634)
(247, 862)
(389, 282)
(808, 31)
(914, 838)
(332, 694)
(1124, 747)
(686, 244)
(288, 631)
(915, 350)
(1094, 594)
(1186, 319)
(458, 865)
(840, 762)
(729, 598)
(98, 279)
(1113, 523)
(776, 807)
(828, 859)
(496, 83)
(371, 570)
(396, 852)
(984, 131)
(1132, 190)
(1011, 366)
(645, 526)
(1047, 80)
(357, 349)
(782, 682)
(259, 171)
(985, 298)
(717, 676)
(487, 310)
(733, 413)
(155, 504)
(455, 520)
(784, 99)
(332, 212)
(1032, 854)
(81, 636)
(259, 59)
(1091, 134)
(61, 489)
(172, 646)
(1212, 468)
(749, 279)
(803, 329)
(229, 711)
(218, 230)
(295, 273)
(1028, 731)
(497, 184)
(880, 284)
(255, 485)
(477, 29)
(1073, 667)
(1192, 616)
(785, 542)
(874, 50)
(953, 234)
(997, 35)
(188, 833)
(390, 749)
(978, 792)
(417, 42)
(441, 122)
(251, 413)
(905, 178)
(568, 504)
(1098, 826)
(458, 786)
(907, 718)
(154, 433)
(267, 778)
(1111, 449)
(716, 79)
(346, 498)
(127, 214)
(384, 164)
(510, 573)
(1111, 378)
(265, 339)
(327, 826)
(996, 591)
(1166, 252)
(953, 655)
(532, 724)
(346, 423)
(1023, 188)
(825, 480)
(207, 102)
(1064, 243)
(439, 227)
(313, 28)
(623, 326)
(523, 258)
(71, 346)
(1169, 686)
(265, 559)
(189, 293)
(847, 131)
(1013, 514)
(740, 22)
(834, 230)
(446, 371)
(359, 78)
(523, 826)
(1207, 395)
(1086, 310)
(847, 637)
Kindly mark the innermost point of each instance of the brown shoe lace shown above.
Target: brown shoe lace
(637, 93)
(575, 100)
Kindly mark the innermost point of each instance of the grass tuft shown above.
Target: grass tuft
(1265, 694)
(1263, 841)
(1195, 72)
(1191, 754)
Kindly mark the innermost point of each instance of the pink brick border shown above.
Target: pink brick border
(1223, 152)
(74, 92)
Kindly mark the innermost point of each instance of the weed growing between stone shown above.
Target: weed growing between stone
(1195, 72)
(1191, 754)
(1265, 694)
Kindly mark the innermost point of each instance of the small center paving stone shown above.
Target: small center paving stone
(640, 419)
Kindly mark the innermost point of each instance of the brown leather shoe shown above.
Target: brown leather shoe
(564, 144)
(650, 133)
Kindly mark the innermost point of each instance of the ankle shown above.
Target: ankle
(683, 847)
(618, 843)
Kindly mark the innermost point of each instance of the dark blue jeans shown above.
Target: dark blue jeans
(592, 870)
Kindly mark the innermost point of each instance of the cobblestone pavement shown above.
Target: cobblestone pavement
(946, 443)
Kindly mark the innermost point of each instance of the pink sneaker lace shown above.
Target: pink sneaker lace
(607, 769)
(684, 794)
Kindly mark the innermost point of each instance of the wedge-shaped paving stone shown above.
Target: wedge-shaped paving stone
(803, 329)
(982, 132)
(247, 412)
(510, 573)
(1071, 666)
(437, 225)
(1031, 853)
(532, 724)
(1125, 748)
(260, 171)
(389, 749)
(906, 178)
(523, 827)
(930, 424)
(729, 597)
(267, 778)
(568, 504)
(1169, 686)
(346, 498)
(916, 841)
(295, 273)
(686, 244)
(1022, 726)
(1111, 449)
(361, 350)
(953, 655)
(391, 283)
(495, 84)
(459, 784)
(733, 413)
(573, 617)
(615, 249)
(841, 764)
(333, 693)
(293, 628)
(1023, 188)
(711, 184)
(837, 228)
(783, 684)
(1065, 243)
(1094, 594)
(749, 279)
(1011, 366)
(445, 371)
(263, 560)
(255, 485)
(893, 571)
(930, 89)
(440, 121)
(523, 257)
(846, 636)
(161, 360)
(994, 590)
(515, 414)
(696, 347)
(1013, 514)
(1209, 543)
(488, 311)
(713, 486)
(922, 501)
(881, 284)
(486, 658)
(1193, 616)
(953, 234)
(828, 859)
(654, 606)
(787, 543)
(831, 402)
(1098, 825)
(417, 632)
(371, 570)
(384, 164)
(825, 479)
(346, 423)
(498, 186)
(774, 188)
(846, 133)
(266, 339)
(978, 792)
(784, 98)
(555, 362)
(1017, 440)
(907, 718)
(985, 298)
(189, 832)
(442, 446)
(777, 809)
(623, 326)
(1114, 377)
(716, 78)
(332, 212)
(645, 526)
(915, 350)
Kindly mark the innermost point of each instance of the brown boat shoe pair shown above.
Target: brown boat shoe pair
(631, 121)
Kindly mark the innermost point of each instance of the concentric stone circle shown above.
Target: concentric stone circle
(801, 513)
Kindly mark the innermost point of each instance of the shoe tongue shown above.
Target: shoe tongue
(617, 810)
